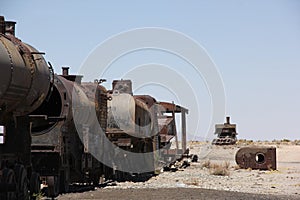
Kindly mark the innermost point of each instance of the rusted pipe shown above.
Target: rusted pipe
(263, 158)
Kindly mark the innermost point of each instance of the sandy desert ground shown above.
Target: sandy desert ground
(198, 182)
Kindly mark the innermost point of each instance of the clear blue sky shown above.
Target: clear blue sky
(255, 45)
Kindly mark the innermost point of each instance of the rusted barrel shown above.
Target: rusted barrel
(263, 158)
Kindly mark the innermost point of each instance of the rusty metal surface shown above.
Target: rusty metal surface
(97, 94)
(25, 82)
(58, 105)
(147, 99)
(165, 126)
(124, 142)
(25, 76)
(171, 107)
(263, 158)
(2, 25)
(121, 112)
(59, 142)
(122, 86)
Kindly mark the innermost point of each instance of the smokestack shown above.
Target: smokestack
(7, 27)
(227, 120)
(122, 86)
(2, 25)
(10, 27)
(65, 71)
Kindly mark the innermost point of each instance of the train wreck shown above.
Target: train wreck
(226, 133)
(53, 128)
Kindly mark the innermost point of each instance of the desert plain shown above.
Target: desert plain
(214, 176)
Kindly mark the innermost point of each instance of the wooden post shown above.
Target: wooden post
(174, 128)
(183, 129)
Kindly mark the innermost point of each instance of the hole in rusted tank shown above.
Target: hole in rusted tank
(51, 108)
(260, 158)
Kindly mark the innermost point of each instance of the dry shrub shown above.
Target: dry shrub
(220, 169)
(276, 142)
(271, 171)
(38, 196)
(245, 142)
(193, 181)
(236, 167)
(249, 142)
(206, 164)
(285, 140)
(249, 169)
(227, 164)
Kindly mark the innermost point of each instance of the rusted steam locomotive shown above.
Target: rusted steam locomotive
(140, 124)
(57, 130)
(226, 133)
(59, 154)
(26, 82)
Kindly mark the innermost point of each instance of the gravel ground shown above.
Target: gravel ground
(170, 193)
(197, 182)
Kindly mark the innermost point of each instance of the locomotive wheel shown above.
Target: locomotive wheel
(9, 178)
(53, 186)
(22, 182)
(35, 185)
